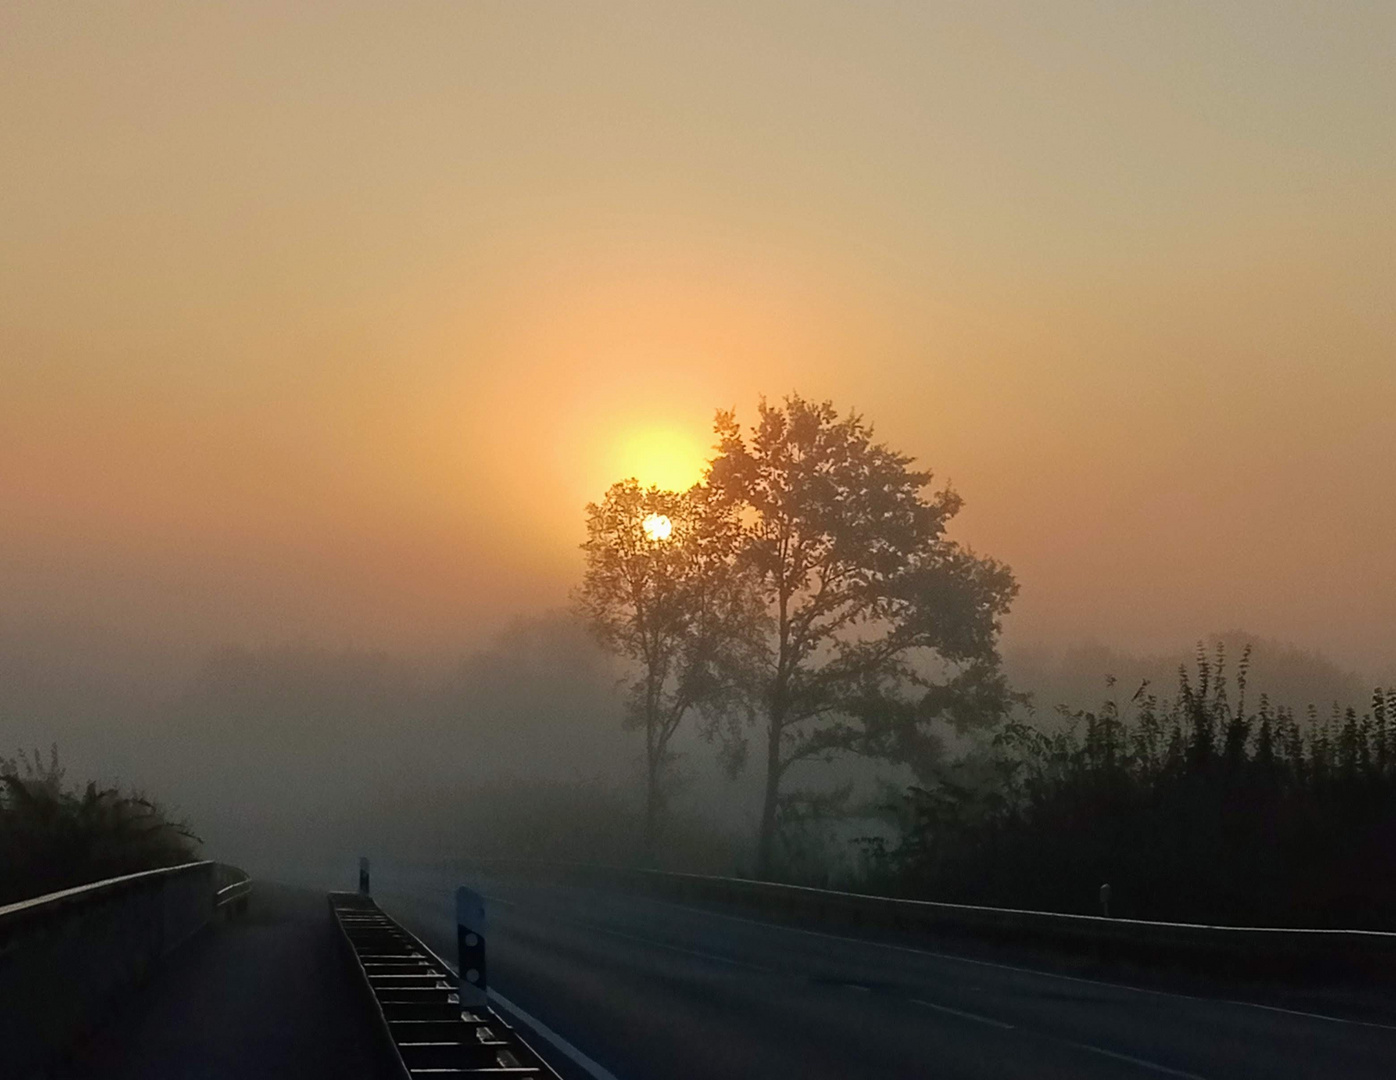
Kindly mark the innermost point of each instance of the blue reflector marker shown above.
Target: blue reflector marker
(470, 947)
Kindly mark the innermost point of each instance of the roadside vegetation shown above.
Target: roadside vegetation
(53, 836)
(1201, 807)
(805, 605)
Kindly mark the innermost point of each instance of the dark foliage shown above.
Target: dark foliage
(676, 606)
(1192, 809)
(877, 623)
(54, 838)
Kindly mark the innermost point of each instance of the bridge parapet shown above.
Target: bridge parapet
(66, 956)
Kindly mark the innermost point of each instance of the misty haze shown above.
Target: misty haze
(623, 541)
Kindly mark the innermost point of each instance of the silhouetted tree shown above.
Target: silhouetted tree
(662, 589)
(865, 594)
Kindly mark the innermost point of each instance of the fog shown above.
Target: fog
(319, 328)
(285, 753)
(293, 760)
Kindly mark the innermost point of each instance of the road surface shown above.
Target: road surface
(269, 995)
(638, 989)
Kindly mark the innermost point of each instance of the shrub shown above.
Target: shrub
(1195, 808)
(53, 837)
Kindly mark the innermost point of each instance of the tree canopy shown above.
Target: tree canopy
(661, 588)
(877, 622)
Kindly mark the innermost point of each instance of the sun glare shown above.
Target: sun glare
(662, 457)
(657, 527)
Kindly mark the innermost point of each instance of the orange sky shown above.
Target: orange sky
(322, 324)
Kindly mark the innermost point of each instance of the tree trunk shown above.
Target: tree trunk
(766, 839)
(651, 814)
(775, 718)
(653, 762)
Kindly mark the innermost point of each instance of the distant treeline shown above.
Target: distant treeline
(1196, 808)
(53, 837)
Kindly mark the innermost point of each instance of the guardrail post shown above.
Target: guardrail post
(470, 947)
(363, 875)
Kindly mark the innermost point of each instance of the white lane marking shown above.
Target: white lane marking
(1273, 1009)
(589, 1065)
(1033, 971)
(1143, 1063)
(964, 1015)
(1152, 1066)
(676, 949)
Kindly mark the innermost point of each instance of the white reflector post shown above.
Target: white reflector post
(470, 946)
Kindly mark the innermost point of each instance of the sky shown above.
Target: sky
(322, 323)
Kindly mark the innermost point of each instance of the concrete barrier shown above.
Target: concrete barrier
(66, 956)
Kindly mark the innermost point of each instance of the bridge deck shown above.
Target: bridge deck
(269, 995)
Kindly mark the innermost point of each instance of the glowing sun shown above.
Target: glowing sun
(657, 527)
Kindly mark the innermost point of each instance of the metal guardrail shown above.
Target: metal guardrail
(417, 1002)
(1274, 950)
(22, 912)
(233, 897)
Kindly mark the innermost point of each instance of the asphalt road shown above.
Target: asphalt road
(268, 995)
(639, 989)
